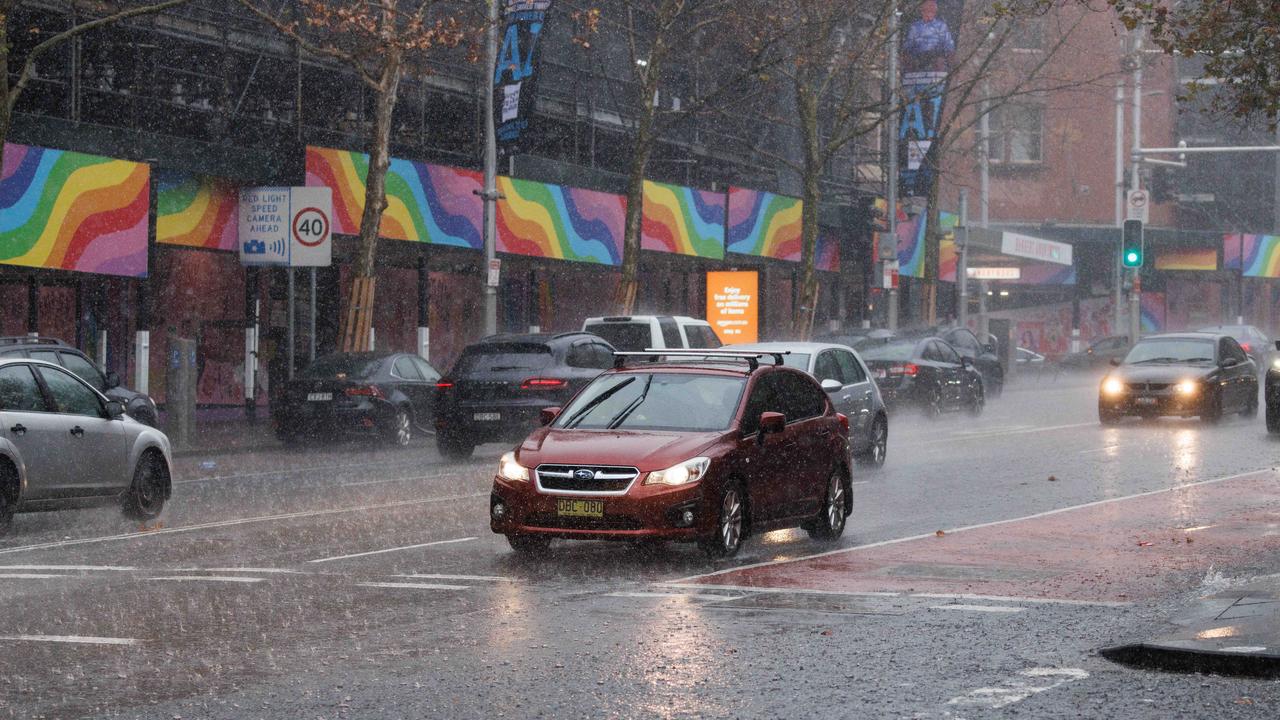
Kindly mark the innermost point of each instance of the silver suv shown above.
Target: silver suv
(63, 443)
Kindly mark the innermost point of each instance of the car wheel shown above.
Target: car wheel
(878, 450)
(529, 544)
(1108, 417)
(453, 448)
(1250, 410)
(399, 431)
(728, 535)
(830, 524)
(1273, 418)
(145, 497)
(933, 404)
(978, 401)
(6, 507)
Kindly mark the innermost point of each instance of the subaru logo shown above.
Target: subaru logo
(584, 474)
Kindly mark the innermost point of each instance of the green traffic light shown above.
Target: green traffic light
(1131, 258)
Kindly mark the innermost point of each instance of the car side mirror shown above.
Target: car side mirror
(989, 348)
(965, 362)
(772, 422)
(112, 380)
(1228, 362)
(115, 409)
(1115, 362)
(830, 385)
(1278, 345)
(548, 415)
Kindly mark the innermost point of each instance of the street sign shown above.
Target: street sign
(993, 273)
(1138, 206)
(890, 281)
(1035, 248)
(290, 226)
(495, 272)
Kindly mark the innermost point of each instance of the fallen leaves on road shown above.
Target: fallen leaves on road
(1053, 478)
(939, 533)
(1144, 543)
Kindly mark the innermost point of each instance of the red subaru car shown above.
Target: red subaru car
(705, 446)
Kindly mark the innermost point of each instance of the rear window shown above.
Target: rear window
(502, 358)
(628, 337)
(891, 351)
(355, 367)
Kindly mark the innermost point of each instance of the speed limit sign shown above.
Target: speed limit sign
(311, 227)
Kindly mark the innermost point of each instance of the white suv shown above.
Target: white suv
(641, 332)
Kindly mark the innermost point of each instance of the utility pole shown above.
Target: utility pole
(1117, 305)
(962, 267)
(889, 248)
(984, 193)
(490, 193)
(1135, 182)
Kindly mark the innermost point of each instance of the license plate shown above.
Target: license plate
(1144, 401)
(486, 417)
(570, 507)
(319, 397)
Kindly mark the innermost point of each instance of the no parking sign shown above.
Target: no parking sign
(286, 226)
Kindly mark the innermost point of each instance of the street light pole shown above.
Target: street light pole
(889, 248)
(1135, 182)
(490, 172)
(1118, 292)
(962, 266)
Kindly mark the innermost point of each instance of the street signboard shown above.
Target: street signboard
(1035, 248)
(495, 272)
(890, 280)
(994, 273)
(1138, 206)
(733, 306)
(289, 226)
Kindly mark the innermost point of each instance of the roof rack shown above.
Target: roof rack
(28, 340)
(752, 357)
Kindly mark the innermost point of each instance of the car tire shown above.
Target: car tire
(1273, 418)
(529, 544)
(977, 402)
(829, 525)
(399, 432)
(1250, 410)
(730, 524)
(144, 500)
(1110, 418)
(876, 452)
(451, 447)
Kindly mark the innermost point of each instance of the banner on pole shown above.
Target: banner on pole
(928, 49)
(515, 75)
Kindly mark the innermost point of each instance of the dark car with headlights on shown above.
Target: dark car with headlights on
(379, 394)
(1271, 393)
(701, 450)
(1253, 341)
(1185, 374)
(498, 387)
(927, 374)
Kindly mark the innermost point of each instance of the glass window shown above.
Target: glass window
(670, 332)
(77, 364)
(46, 355)
(898, 351)
(826, 368)
(502, 358)
(1232, 349)
(850, 368)
(603, 356)
(626, 336)
(655, 401)
(946, 353)
(701, 336)
(19, 391)
(581, 355)
(801, 398)
(1016, 131)
(405, 369)
(354, 366)
(70, 396)
(1171, 350)
(428, 373)
(766, 396)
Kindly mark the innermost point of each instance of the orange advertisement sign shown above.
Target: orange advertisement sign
(733, 306)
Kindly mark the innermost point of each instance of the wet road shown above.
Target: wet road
(344, 582)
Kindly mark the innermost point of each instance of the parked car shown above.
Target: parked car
(382, 394)
(696, 450)
(1099, 354)
(639, 332)
(64, 443)
(1271, 394)
(1253, 341)
(847, 382)
(499, 385)
(138, 406)
(981, 355)
(928, 374)
(857, 338)
(1184, 374)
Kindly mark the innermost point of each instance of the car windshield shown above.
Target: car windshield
(891, 351)
(1170, 350)
(502, 357)
(356, 367)
(655, 401)
(628, 337)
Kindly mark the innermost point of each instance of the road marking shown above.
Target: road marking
(444, 476)
(81, 639)
(480, 578)
(413, 586)
(1019, 688)
(394, 549)
(985, 434)
(979, 608)
(296, 470)
(281, 571)
(669, 595)
(1097, 450)
(779, 590)
(1245, 648)
(240, 521)
(979, 526)
(1022, 599)
(30, 576)
(209, 578)
(118, 568)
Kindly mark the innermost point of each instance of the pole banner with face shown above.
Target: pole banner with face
(928, 50)
(515, 74)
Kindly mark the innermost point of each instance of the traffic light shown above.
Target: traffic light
(1131, 244)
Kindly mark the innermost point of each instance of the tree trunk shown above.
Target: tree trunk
(6, 91)
(807, 108)
(625, 300)
(932, 245)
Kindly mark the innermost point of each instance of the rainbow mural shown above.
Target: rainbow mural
(1153, 310)
(764, 224)
(1187, 259)
(911, 245)
(425, 203)
(1253, 255)
(70, 211)
(196, 211)
(828, 251)
(561, 223)
(682, 220)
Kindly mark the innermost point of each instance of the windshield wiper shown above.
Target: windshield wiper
(1157, 360)
(626, 412)
(578, 416)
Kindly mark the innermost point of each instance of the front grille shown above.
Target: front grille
(603, 479)
(1150, 387)
(551, 520)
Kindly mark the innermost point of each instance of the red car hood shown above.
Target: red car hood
(647, 451)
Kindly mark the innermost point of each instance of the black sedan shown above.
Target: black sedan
(1272, 394)
(385, 395)
(981, 355)
(1183, 374)
(926, 373)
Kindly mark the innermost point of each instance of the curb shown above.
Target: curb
(1186, 660)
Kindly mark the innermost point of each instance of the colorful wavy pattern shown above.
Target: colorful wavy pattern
(425, 203)
(911, 245)
(70, 211)
(196, 211)
(1187, 259)
(828, 257)
(1254, 255)
(683, 221)
(1152, 308)
(561, 223)
(764, 224)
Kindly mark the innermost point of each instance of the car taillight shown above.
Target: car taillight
(906, 369)
(444, 384)
(542, 384)
(1245, 347)
(844, 421)
(364, 391)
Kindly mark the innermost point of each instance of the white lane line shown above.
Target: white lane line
(280, 571)
(117, 568)
(1097, 450)
(474, 578)
(394, 549)
(1001, 433)
(673, 595)
(1018, 688)
(30, 576)
(413, 586)
(1022, 599)
(296, 470)
(779, 590)
(240, 521)
(386, 481)
(209, 578)
(979, 608)
(979, 526)
(860, 482)
(79, 639)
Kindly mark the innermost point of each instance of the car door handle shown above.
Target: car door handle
(77, 431)
(18, 429)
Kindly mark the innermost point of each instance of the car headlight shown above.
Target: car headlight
(1276, 363)
(1112, 386)
(509, 469)
(1188, 387)
(686, 472)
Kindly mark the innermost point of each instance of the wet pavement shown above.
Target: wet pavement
(356, 581)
